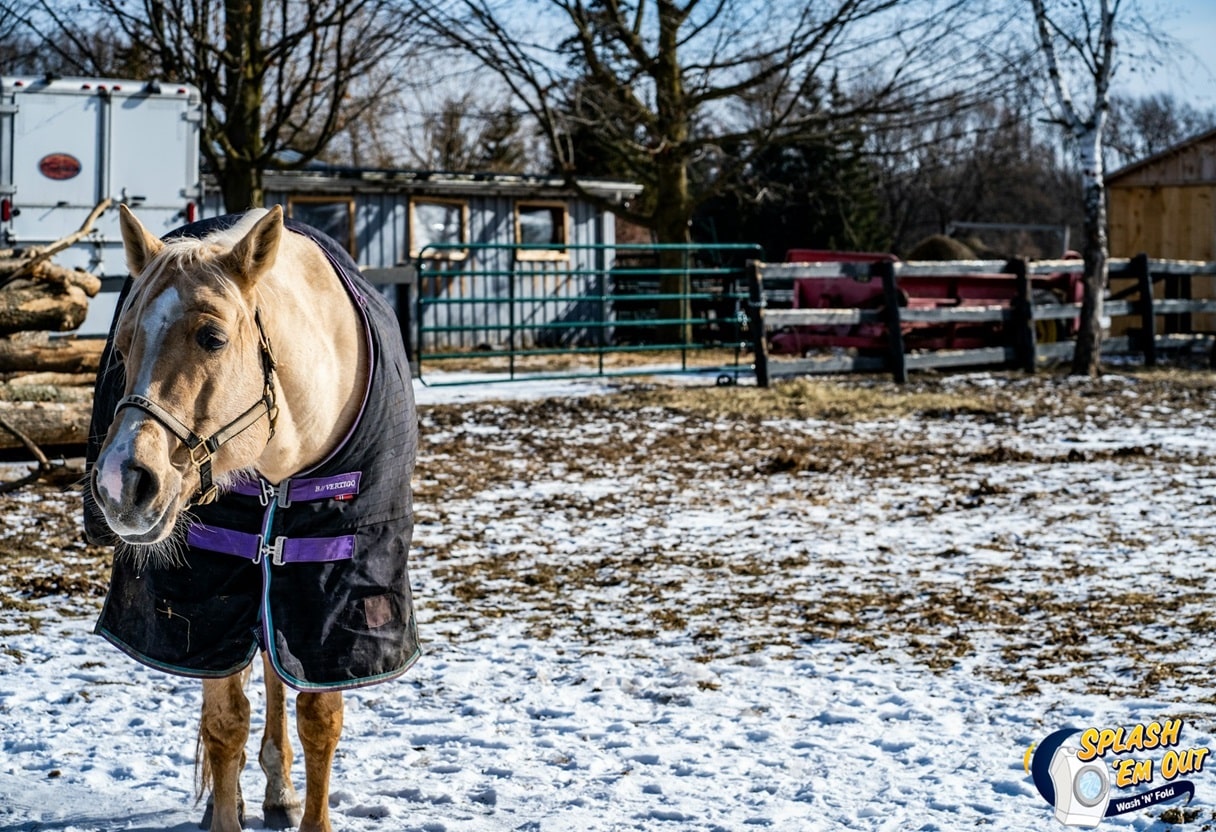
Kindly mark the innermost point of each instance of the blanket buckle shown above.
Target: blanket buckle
(272, 551)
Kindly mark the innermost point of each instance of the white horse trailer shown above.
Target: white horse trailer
(67, 144)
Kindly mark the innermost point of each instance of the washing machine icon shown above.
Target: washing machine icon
(1082, 788)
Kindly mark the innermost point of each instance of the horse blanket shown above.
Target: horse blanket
(312, 569)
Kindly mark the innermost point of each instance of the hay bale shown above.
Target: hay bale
(940, 247)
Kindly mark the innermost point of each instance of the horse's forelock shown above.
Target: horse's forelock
(196, 260)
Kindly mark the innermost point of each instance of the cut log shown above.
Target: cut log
(46, 272)
(38, 308)
(59, 380)
(45, 423)
(37, 353)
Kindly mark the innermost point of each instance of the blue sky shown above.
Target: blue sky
(1191, 76)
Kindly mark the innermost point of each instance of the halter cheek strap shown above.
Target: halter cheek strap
(203, 448)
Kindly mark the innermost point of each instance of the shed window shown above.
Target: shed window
(335, 217)
(436, 225)
(542, 224)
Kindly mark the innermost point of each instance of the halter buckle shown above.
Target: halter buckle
(200, 454)
(208, 496)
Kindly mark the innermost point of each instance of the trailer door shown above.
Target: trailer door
(153, 151)
(56, 171)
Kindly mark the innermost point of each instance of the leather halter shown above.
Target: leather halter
(203, 449)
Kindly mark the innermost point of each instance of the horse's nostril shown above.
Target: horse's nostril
(143, 484)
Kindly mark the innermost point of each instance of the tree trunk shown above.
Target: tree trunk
(34, 308)
(45, 423)
(671, 229)
(241, 186)
(673, 212)
(244, 75)
(1087, 360)
(35, 352)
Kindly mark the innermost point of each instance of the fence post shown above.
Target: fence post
(1148, 318)
(755, 317)
(885, 269)
(1025, 339)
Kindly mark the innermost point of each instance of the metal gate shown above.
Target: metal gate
(499, 312)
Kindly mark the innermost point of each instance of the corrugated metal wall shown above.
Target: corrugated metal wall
(484, 299)
(479, 295)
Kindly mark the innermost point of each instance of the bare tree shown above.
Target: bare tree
(990, 164)
(279, 78)
(1076, 40)
(682, 95)
(464, 133)
(666, 84)
(1140, 127)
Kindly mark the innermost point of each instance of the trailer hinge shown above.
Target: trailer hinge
(193, 116)
(8, 109)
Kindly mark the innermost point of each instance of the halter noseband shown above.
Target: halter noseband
(203, 449)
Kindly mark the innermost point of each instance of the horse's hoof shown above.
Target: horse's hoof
(205, 823)
(282, 817)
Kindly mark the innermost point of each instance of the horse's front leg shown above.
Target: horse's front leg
(281, 809)
(319, 719)
(223, 731)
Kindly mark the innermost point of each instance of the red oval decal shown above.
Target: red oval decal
(59, 166)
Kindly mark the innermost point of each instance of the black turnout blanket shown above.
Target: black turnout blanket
(315, 570)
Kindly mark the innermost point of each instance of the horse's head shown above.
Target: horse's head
(198, 407)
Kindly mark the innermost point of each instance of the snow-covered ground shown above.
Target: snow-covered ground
(639, 616)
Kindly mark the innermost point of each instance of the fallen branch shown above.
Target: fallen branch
(46, 273)
(41, 255)
(49, 379)
(43, 468)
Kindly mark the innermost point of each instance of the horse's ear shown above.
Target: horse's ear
(255, 253)
(138, 243)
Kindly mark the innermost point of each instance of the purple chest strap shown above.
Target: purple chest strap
(281, 550)
(304, 489)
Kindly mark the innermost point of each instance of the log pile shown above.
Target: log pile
(46, 382)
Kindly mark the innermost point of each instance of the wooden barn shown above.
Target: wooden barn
(1165, 206)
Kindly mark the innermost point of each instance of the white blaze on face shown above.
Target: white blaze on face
(157, 319)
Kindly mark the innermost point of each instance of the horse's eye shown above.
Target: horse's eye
(211, 339)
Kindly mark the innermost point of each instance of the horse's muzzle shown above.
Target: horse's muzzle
(132, 498)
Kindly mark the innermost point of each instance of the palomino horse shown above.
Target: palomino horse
(259, 437)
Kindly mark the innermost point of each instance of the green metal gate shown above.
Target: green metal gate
(499, 312)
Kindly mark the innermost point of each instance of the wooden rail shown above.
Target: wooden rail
(1020, 350)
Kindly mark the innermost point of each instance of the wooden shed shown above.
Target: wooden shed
(1165, 206)
(389, 218)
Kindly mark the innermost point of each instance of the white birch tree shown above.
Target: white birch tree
(1087, 37)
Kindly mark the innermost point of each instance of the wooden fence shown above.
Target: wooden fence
(1158, 322)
